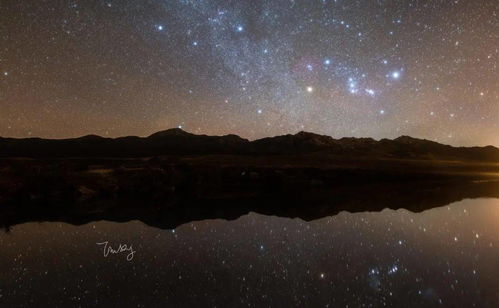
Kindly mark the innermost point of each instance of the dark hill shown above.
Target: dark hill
(171, 132)
(178, 142)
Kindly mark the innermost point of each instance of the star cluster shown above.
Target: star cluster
(254, 68)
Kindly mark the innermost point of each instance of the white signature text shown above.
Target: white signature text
(121, 248)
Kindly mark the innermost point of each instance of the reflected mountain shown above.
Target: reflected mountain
(443, 257)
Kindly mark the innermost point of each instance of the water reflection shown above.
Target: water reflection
(444, 256)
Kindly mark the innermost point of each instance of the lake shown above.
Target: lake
(445, 256)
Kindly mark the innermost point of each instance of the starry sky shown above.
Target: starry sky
(376, 69)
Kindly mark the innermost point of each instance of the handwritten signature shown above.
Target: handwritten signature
(121, 248)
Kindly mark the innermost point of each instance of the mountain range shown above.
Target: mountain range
(179, 142)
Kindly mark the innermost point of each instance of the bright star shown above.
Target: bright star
(370, 92)
(393, 269)
(159, 27)
(352, 86)
(310, 89)
(327, 62)
(239, 28)
(395, 75)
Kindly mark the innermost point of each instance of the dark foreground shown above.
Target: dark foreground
(171, 190)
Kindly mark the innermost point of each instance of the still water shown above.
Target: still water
(443, 257)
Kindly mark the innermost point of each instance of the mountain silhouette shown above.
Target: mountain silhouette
(179, 142)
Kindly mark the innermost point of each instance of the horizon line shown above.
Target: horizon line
(248, 139)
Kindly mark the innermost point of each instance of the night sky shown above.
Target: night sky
(376, 69)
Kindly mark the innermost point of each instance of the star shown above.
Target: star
(352, 62)
(370, 92)
(393, 270)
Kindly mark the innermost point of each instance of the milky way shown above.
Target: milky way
(254, 68)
